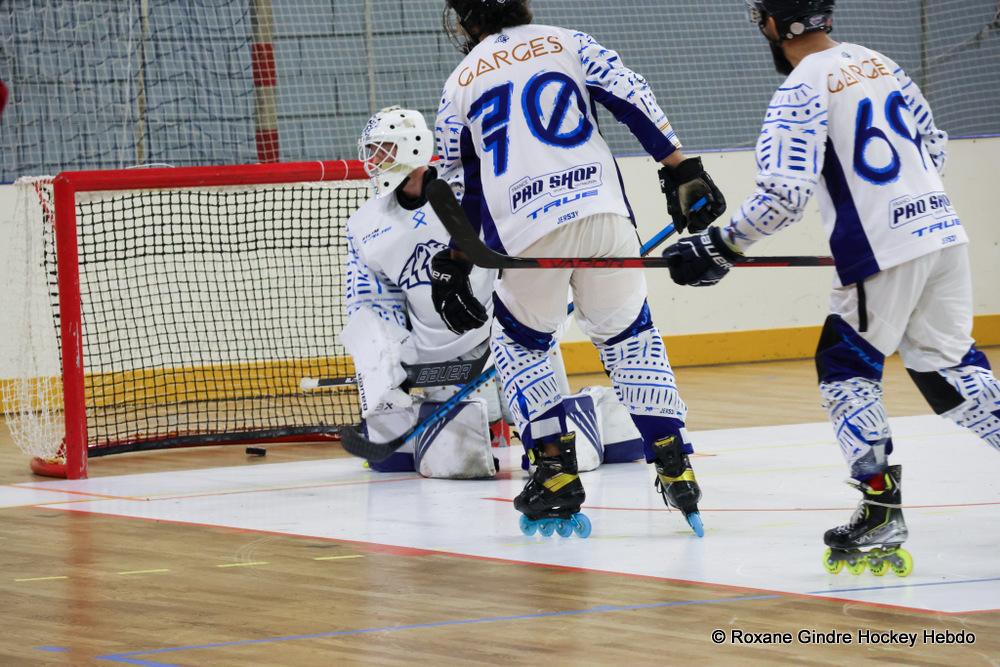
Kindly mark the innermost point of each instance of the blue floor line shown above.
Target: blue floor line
(882, 588)
(130, 657)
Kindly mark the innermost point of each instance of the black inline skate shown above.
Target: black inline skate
(675, 480)
(878, 523)
(550, 501)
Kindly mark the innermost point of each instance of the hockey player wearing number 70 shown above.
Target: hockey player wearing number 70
(849, 125)
(518, 140)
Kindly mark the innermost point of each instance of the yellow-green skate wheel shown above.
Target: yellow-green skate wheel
(858, 566)
(832, 566)
(907, 563)
(878, 566)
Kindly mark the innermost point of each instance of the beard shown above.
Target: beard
(781, 63)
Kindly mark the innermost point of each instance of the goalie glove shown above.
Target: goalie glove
(452, 294)
(686, 184)
(702, 260)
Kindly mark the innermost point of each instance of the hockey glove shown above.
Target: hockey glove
(702, 260)
(685, 185)
(452, 294)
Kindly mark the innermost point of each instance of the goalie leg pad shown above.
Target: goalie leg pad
(458, 446)
(621, 439)
(386, 425)
(489, 392)
(581, 418)
(967, 394)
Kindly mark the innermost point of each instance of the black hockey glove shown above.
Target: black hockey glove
(702, 260)
(452, 294)
(685, 185)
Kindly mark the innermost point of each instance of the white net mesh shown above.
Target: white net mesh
(111, 83)
(32, 394)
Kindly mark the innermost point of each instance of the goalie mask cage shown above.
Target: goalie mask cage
(187, 306)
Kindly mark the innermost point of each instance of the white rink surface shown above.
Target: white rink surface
(769, 493)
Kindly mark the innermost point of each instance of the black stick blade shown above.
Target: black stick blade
(358, 445)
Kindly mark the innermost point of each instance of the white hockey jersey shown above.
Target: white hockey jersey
(518, 138)
(388, 271)
(849, 124)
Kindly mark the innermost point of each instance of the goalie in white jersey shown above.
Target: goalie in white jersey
(391, 239)
(851, 127)
(518, 138)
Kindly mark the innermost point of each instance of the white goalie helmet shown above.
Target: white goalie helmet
(394, 143)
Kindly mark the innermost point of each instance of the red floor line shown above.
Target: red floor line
(375, 547)
(232, 492)
(101, 496)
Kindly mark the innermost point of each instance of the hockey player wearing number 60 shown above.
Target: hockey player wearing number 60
(849, 125)
(519, 142)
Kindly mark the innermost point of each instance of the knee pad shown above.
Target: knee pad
(860, 423)
(842, 354)
(641, 374)
(967, 394)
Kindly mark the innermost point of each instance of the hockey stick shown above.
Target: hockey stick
(358, 445)
(453, 217)
(417, 375)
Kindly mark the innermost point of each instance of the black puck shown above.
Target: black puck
(256, 451)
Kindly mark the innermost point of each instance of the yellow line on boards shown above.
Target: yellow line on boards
(157, 571)
(42, 578)
(259, 562)
(337, 557)
(733, 347)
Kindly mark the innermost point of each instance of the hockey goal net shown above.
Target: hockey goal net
(179, 307)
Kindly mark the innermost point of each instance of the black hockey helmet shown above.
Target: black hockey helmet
(793, 17)
(482, 17)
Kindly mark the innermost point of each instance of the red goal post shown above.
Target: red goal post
(192, 300)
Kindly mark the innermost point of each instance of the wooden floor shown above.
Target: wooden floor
(77, 588)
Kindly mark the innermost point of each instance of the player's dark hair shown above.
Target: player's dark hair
(486, 17)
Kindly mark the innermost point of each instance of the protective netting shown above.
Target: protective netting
(202, 311)
(32, 393)
(112, 83)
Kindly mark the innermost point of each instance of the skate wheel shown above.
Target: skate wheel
(547, 527)
(582, 526)
(694, 520)
(564, 527)
(905, 564)
(528, 527)
(878, 566)
(830, 564)
(858, 566)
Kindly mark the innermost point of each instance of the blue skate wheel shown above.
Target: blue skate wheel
(547, 527)
(528, 527)
(581, 524)
(564, 527)
(694, 520)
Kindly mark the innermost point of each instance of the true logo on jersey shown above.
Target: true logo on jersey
(529, 189)
(563, 201)
(933, 210)
(417, 269)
